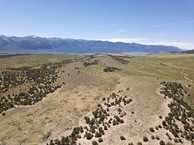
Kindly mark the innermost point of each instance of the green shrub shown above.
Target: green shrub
(100, 140)
(153, 137)
(145, 139)
(164, 123)
(98, 135)
(152, 129)
(94, 142)
(162, 142)
(122, 137)
(139, 143)
(121, 121)
(169, 143)
(115, 122)
(157, 137)
(89, 136)
(87, 119)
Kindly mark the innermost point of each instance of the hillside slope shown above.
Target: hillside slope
(99, 99)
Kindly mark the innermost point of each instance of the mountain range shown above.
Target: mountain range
(36, 44)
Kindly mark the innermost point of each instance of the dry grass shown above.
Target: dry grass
(60, 111)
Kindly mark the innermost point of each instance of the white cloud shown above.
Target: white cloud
(148, 41)
(174, 23)
(182, 45)
(126, 40)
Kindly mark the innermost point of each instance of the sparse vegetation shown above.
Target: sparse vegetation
(41, 81)
(95, 62)
(111, 69)
(180, 111)
(32, 84)
(120, 59)
(101, 116)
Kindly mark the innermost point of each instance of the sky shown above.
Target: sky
(163, 22)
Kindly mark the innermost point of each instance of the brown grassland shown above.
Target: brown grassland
(80, 87)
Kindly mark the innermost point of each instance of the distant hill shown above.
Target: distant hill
(188, 51)
(59, 45)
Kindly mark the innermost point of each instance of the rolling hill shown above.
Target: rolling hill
(102, 99)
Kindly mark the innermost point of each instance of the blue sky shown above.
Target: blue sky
(167, 22)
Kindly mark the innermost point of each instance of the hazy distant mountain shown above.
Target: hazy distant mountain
(188, 51)
(59, 45)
